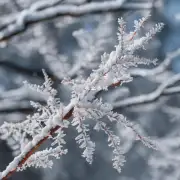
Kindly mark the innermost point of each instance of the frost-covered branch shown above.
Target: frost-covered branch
(52, 117)
(114, 142)
(44, 10)
(145, 98)
(157, 70)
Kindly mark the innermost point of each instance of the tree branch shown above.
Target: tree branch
(47, 131)
(34, 145)
(16, 24)
(145, 98)
(95, 82)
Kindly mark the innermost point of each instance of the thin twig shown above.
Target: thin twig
(145, 98)
(157, 70)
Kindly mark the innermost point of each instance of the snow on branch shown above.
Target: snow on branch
(145, 98)
(44, 10)
(51, 119)
(162, 89)
(114, 142)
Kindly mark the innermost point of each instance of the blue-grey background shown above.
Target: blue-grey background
(20, 61)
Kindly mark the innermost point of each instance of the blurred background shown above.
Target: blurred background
(56, 45)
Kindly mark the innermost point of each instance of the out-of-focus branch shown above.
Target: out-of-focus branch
(41, 11)
(145, 98)
(40, 5)
(12, 106)
(16, 5)
(12, 117)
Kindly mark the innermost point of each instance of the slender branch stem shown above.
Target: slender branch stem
(23, 157)
(145, 98)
